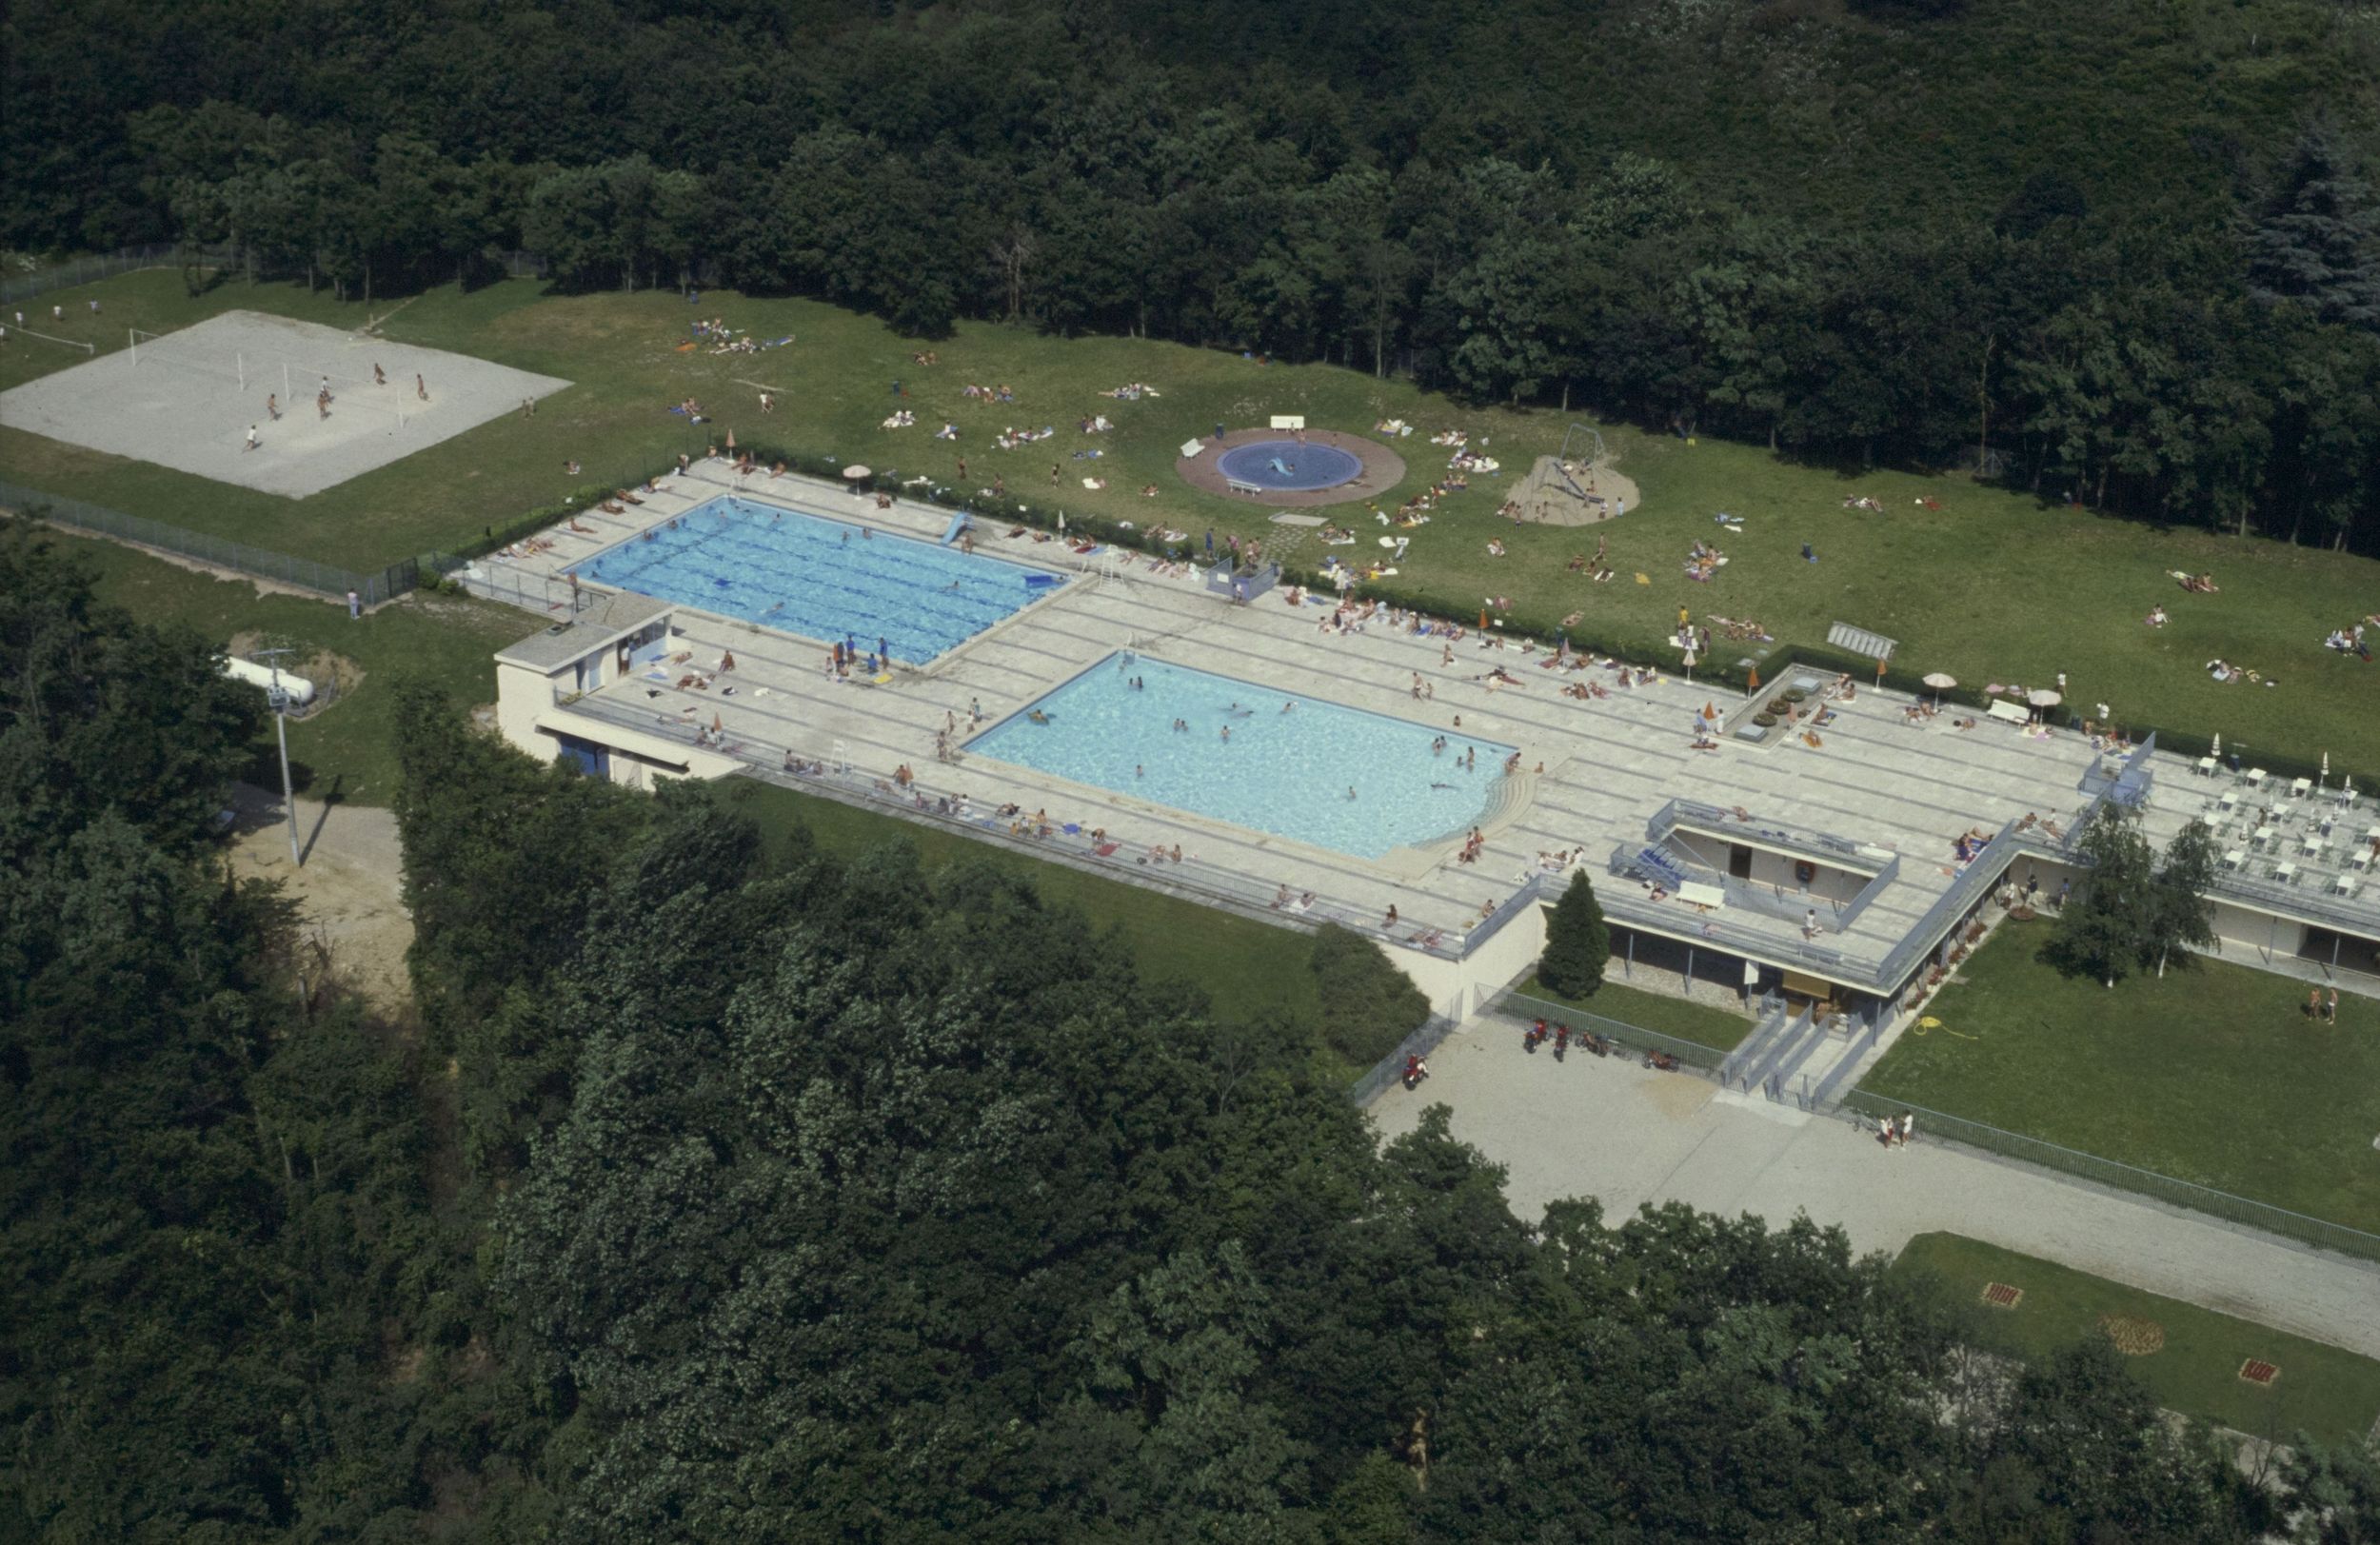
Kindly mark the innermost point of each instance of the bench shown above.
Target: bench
(2015, 713)
(1240, 485)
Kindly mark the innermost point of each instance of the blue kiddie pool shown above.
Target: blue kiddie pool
(1287, 467)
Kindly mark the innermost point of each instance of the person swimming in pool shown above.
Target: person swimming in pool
(1037, 717)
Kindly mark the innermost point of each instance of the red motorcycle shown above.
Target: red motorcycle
(1535, 1034)
(1417, 1069)
(1561, 1042)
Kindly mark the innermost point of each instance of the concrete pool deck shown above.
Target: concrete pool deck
(1610, 765)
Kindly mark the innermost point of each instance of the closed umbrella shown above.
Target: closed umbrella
(2216, 750)
(1941, 682)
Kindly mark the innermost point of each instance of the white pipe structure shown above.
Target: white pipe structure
(301, 690)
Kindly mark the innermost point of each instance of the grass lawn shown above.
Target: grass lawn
(1251, 971)
(344, 751)
(2321, 1390)
(1992, 586)
(2212, 1075)
(1697, 1023)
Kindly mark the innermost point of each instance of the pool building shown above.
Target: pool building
(1839, 875)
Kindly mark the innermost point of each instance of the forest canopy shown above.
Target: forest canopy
(725, 1190)
(2122, 253)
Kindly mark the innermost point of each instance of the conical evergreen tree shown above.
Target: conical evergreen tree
(2316, 238)
(1577, 946)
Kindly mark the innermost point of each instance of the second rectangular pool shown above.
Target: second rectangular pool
(822, 579)
(1315, 772)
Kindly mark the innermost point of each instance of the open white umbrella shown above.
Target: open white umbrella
(855, 471)
(1941, 682)
(2041, 697)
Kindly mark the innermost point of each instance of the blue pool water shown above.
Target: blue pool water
(1285, 773)
(821, 578)
(1290, 467)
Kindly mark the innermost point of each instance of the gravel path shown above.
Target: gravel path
(1627, 1136)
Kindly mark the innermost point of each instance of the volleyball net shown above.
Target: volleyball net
(292, 382)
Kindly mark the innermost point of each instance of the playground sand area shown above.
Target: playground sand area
(187, 399)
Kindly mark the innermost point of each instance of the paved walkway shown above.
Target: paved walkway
(1627, 1135)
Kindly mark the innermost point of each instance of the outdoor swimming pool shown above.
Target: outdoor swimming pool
(821, 579)
(1286, 465)
(1287, 773)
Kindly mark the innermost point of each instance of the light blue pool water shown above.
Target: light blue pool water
(1290, 467)
(821, 578)
(1287, 773)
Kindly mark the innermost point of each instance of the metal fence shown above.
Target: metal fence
(1936, 1126)
(1693, 1054)
(83, 270)
(1390, 1069)
(217, 552)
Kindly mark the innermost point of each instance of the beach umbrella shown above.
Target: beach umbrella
(1690, 663)
(2042, 697)
(2325, 767)
(855, 471)
(1941, 682)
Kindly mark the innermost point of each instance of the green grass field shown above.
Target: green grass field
(2321, 1390)
(2212, 1075)
(344, 750)
(1992, 586)
(1697, 1023)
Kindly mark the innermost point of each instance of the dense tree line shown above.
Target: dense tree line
(723, 1192)
(2124, 254)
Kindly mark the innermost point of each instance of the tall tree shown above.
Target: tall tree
(2314, 237)
(1578, 943)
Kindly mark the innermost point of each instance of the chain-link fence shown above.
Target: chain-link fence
(83, 270)
(1935, 1126)
(1390, 1069)
(1628, 1037)
(216, 552)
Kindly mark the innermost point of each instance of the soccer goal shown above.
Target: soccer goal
(69, 343)
(154, 351)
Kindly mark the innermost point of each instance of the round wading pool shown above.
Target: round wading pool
(1290, 468)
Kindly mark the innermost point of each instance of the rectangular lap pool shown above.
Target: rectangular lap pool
(1288, 765)
(821, 578)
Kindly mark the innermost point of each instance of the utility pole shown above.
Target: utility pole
(280, 702)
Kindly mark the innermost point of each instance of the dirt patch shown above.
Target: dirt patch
(350, 887)
(2133, 1338)
(1677, 1096)
(1549, 493)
